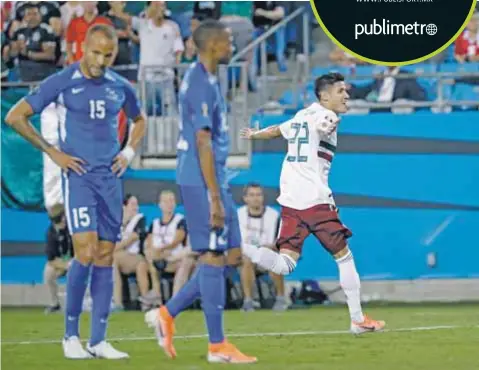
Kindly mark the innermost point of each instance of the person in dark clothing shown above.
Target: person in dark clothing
(59, 252)
(266, 15)
(35, 44)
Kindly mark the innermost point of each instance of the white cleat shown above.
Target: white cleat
(367, 326)
(106, 350)
(73, 349)
(153, 321)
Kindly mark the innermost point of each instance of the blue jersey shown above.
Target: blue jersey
(88, 112)
(201, 107)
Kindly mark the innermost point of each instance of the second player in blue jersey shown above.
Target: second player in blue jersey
(213, 228)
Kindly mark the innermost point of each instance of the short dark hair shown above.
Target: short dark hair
(127, 198)
(107, 30)
(326, 80)
(30, 5)
(207, 30)
(250, 185)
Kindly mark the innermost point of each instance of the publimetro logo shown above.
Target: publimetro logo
(384, 27)
(393, 32)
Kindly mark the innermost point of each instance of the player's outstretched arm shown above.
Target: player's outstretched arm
(267, 133)
(18, 119)
(123, 159)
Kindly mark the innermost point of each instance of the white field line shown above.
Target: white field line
(245, 335)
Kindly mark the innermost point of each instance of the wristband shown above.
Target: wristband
(128, 153)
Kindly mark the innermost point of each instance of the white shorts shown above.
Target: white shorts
(52, 179)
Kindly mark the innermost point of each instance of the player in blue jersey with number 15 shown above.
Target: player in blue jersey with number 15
(88, 97)
(210, 212)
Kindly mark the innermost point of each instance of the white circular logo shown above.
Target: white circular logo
(431, 29)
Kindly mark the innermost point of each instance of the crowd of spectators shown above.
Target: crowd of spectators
(39, 37)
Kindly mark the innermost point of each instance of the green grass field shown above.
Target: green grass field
(422, 337)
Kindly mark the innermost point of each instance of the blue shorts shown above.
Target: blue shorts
(197, 215)
(93, 202)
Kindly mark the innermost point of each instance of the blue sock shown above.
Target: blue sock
(77, 281)
(185, 296)
(101, 289)
(213, 298)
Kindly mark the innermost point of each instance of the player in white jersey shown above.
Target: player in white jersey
(307, 204)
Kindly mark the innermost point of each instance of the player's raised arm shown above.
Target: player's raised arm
(18, 119)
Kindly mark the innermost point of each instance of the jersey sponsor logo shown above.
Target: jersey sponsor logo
(77, 90)
(204, 109)
(112, 94)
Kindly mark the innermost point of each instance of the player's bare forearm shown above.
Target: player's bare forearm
(267, 133)
(70, 58)
(17, 118)
(207, 162)
(127, 242)
(138, 132)
(179, 237)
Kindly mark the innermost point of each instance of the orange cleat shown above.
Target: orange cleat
(161, 321)
(368, 325)
(227, 353)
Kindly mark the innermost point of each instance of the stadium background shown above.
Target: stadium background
(406, 174)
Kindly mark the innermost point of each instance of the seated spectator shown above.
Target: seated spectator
(128, 256)
(35, 46)
(59, 251)
(388, 88)
(267, 14)
(259, 226)
(161, 45)
(166, 245)
(466, 47)
(76, 31)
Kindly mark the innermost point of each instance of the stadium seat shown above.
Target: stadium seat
(427, 83)
(318, 71)
(449, 54)
(467, 92)
(365, 70)
(459, 67)
(420, 68)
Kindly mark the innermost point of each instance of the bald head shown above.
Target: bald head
(99, 49)
(106, 30)
(207, 32)
(213, 38)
